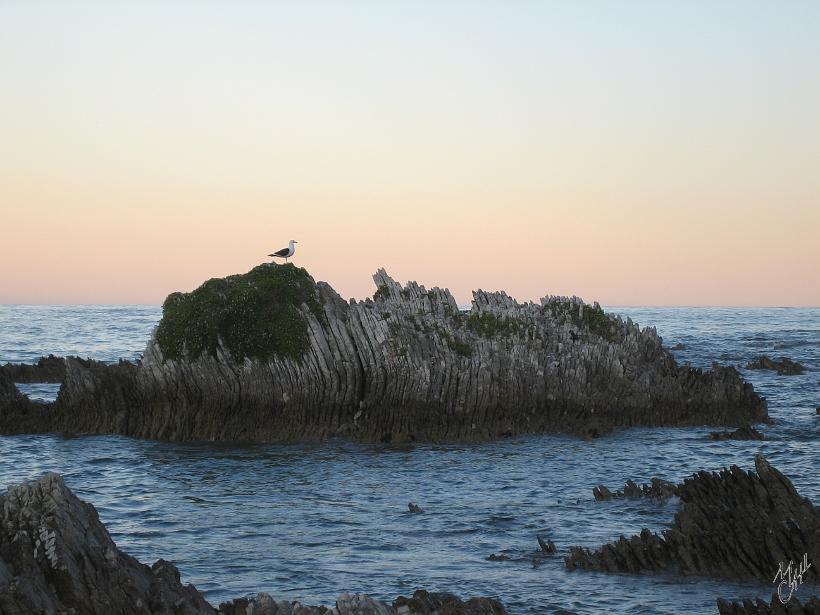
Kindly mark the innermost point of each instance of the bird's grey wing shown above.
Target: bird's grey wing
(282, 252)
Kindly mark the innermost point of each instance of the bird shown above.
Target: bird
(285, 253)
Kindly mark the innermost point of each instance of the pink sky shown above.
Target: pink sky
(657, 158)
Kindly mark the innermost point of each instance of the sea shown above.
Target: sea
(309, 521)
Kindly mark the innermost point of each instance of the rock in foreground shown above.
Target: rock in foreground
(57, 557)
(273, 356)
(421, 603)
(793, 606)
(731, 524)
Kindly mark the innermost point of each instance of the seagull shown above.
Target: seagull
(285, 253)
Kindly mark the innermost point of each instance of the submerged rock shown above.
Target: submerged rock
(498, 558)
(783, 366)
(657, 488)
(414, 508)
(57, 557)
(546, 546)
(731, 524)
(273, 356)
(747, 432)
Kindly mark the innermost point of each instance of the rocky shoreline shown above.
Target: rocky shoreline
(272, 356)
(57, 557)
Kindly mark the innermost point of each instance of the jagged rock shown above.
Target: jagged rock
(404, 366)
(732, 524)
(793, 606)
(425, 603)
(783, 366)
(546, 546)
(657, 488)
(747, 432)
(498, 558)
(414, 508)
(421, 603)
(47, 369)
(55, 556)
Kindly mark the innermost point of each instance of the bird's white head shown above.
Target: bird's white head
(292, 241)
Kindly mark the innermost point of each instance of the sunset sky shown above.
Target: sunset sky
(634, 153)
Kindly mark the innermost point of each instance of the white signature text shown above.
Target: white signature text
(790, 577)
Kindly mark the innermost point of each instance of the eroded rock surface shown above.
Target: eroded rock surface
(731, 524)
(407, 365)
(55, 556)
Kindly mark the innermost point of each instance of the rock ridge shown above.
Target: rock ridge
(731, 524)
(406, 365)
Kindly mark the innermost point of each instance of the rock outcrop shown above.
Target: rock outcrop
(657, 489)
(421, 603)
(783, 366)
(57, 557)
(47, 369)
(747, 432)
(17, 413)
(793, 606)
(273, 356)
(731, 524)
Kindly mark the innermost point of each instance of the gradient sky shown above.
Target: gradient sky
(634, 153)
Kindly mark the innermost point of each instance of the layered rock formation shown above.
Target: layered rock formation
(272, 356)
(732, 524)
(57, 557)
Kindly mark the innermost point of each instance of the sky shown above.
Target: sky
(633, 153)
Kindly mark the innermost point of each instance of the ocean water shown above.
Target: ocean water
(310, 521)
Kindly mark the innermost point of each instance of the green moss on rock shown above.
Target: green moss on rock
(257, 315)
(489, 325)
(592, 317)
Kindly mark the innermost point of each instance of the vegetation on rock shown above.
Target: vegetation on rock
(255, 315)
(582, 315)
(489, 325)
